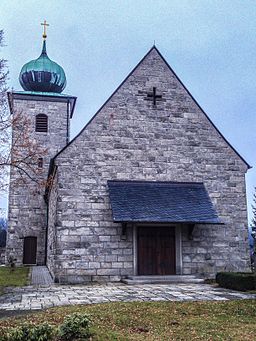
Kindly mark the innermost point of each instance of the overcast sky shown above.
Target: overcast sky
(210, 44)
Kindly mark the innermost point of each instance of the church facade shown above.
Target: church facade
(148, 187)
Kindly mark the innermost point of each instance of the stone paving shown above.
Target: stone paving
(40, 275)
(41, 297)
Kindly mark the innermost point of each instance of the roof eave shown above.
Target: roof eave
(168, 222)
(40, 96)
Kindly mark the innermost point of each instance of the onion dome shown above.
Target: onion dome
(42, 74)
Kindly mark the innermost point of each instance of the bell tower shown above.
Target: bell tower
(46, 112)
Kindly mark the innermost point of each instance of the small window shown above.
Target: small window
(41, 123)
(40, 162)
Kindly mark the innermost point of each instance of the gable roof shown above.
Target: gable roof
(161, 202)
(154, 48)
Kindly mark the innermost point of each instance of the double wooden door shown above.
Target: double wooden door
(156, 251)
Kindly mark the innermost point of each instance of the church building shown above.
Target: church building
(149, 187)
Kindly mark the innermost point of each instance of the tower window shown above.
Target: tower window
(41, 123)
(40, 162)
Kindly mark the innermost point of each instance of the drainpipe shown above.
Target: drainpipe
(67, 137)
(46, 232)
(253, 233)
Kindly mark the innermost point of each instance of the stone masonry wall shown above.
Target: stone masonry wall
(131, 139)
(27, 208)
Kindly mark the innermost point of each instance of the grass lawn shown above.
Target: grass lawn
(226, 320)
(17, 277)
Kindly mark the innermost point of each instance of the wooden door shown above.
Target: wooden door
(29, 250)
(156, 251)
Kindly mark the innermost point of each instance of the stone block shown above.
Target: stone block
(127, 272)
(94, 265)
(70, 238)
(111, 258)
(104, 238)
(108, 272)
(117, 265)
(128, 264)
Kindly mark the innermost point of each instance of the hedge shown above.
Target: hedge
(241, 281)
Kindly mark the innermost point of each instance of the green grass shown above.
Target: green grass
(226, 320)
(17, 277)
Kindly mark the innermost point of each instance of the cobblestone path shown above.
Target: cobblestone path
(32, 298)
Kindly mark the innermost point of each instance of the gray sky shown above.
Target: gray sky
(210, 44)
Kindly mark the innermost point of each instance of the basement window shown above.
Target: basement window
(41, 123)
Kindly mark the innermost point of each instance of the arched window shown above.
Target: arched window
(41, 123)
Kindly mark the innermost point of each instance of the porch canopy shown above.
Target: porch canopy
(161, 202)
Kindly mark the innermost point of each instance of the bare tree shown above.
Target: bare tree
(5, 121)
(18, 148)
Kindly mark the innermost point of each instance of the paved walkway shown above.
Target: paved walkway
(41, 297)
(40, 275)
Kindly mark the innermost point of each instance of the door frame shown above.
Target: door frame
(178, 246)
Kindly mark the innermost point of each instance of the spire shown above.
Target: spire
(44, 53)
(43, 74)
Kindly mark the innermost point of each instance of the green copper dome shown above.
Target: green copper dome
(42, 75)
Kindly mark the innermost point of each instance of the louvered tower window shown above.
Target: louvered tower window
(41, 123)
(40, 162)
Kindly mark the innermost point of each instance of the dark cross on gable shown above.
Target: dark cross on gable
(154, 96)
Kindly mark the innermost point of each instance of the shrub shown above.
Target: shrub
(43, 332)
(241, 281)
(12, 261)
(19, 333)
(75, 326)
(3, 337)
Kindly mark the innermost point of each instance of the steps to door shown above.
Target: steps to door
(162, 279)
(40, 275)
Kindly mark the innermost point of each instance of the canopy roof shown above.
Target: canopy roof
(161, 202)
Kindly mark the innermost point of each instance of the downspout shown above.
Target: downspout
(46, 232)
(46, 199)
(68, 107)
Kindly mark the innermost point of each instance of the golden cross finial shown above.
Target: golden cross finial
(44, 24)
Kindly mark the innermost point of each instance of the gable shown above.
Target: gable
(176, 109)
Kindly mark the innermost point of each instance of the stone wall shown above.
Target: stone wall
(131, 139)
(27, 208)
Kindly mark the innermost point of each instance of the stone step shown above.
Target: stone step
(162, 279)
